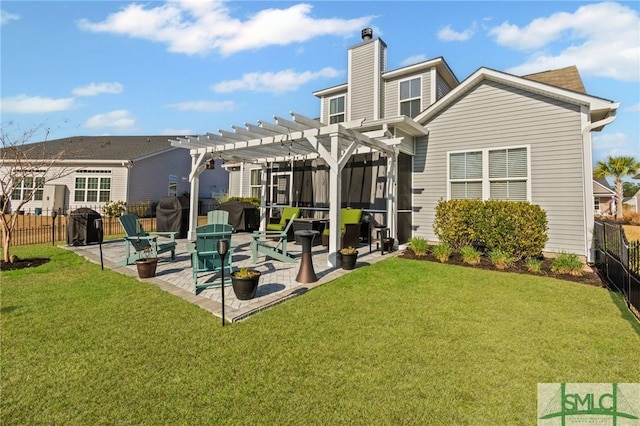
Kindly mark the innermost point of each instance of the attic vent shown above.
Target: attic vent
(367, 34)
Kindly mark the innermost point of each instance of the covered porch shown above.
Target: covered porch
(289, 147)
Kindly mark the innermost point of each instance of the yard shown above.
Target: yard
(398, 342)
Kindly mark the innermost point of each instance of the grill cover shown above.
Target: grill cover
(243, 216)
(172, 215)
(81, 228)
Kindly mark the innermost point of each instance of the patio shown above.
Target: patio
(277, 282)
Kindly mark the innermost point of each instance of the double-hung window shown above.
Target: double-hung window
(501, 174)
(92, 186)
(25, 187)
(410, 97)
(256, 183)
(336, 110)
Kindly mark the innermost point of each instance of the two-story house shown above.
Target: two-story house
(396, 142)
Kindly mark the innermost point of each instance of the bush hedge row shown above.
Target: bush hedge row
(517, 228)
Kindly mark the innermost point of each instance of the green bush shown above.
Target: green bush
(470, 255)
(253, 200)
(418, 245)
(501, 259)
(442, 252)
(114, 208)
(514, 227)
(567, 263)
(142, 209)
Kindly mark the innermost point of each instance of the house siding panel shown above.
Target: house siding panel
(495, 115)
(361, 84)
(157, 169)
(442, 88)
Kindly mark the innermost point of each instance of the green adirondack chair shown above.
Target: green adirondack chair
(144, 244)
(218, 216)
(205, 257)
(263, 242)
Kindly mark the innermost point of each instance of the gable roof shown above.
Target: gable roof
(99, 148)
(601, 188)
(566, 78)
(599, 108)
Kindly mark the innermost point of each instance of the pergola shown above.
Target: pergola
(298, 138)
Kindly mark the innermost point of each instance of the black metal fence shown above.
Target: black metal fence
(43, 227)
(619, 262)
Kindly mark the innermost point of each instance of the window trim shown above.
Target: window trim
(37, 192)
(257, 186)
(419, 97)
(486, 181)
(344, 112)
(87, 174)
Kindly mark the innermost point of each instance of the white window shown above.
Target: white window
(501, 174)
(336, 110)
(25, 187)
(410, 97)
(173, 186)
(256, 183)
(93, 187)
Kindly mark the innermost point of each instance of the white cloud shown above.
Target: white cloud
(601, 39)
(6, 17)
(199, 27)
(612, 144)
(93, 89)
(118, 119)
(175, 132)
(23, 104)
(273, 82)
(632, 108)
(447, 34)
(206, 106)
(413, 60)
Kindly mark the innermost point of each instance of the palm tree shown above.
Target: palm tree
(618, 167)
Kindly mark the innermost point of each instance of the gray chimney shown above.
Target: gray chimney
(367, 34)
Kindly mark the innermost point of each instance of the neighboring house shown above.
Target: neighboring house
(603, 197)
(422, 136)
(98, 169)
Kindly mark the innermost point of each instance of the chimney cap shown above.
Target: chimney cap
(367, 34)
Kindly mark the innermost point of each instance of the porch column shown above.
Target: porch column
(263, 197)
(335, 201)
(392, 189)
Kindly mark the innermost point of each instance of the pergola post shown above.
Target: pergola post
(392, 189)
(197, 167)
(263, 197)
(335, 201)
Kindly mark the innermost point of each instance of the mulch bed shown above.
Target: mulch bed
(23, 263)
(590, 277)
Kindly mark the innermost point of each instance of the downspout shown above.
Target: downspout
(587, 170)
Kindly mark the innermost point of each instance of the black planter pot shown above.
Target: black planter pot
(348, 261)
(388, 244)
(147, 267)
(245, 287)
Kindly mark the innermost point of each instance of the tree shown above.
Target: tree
(629, 189)
(618, 167)
(25, 169)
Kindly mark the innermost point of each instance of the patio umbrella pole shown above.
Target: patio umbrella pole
(223, 248)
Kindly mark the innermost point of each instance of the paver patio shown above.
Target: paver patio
(277, 282)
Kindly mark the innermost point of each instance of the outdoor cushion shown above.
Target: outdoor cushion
(346, 216)
(287, 212)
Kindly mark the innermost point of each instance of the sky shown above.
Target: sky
(90, 68)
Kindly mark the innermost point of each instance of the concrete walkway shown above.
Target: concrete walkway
(277, 282)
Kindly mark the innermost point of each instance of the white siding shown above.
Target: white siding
(361, 81)
(234, 183)
(149, 178)
(442, 88)
(494, 115)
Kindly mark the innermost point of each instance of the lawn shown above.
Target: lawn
(398, 342)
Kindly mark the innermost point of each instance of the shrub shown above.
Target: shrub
(114, 208)
(442, 252)
(418, 245)
(501, 259)
(533, 264)
(470, 255)
(253, 200)
(142, 208)
(567, 263)
(517, 228)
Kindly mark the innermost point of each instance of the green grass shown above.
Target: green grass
(398, 342)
